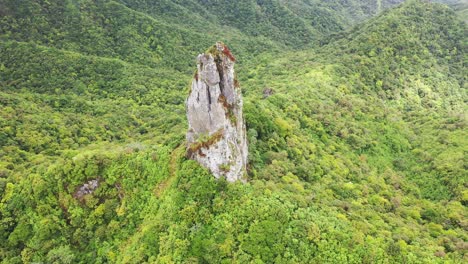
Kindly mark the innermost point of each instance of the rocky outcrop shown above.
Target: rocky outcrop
(216, 135)
(85, 189)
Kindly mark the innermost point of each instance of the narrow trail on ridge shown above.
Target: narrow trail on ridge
(175, 156)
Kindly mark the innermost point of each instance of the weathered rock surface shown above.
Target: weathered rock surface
(87, 188)
(216, 136)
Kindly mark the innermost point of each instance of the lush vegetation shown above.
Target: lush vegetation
(358, 156)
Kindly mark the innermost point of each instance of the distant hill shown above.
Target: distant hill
(294, 23)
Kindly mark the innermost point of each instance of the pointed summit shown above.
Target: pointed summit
(216, 136)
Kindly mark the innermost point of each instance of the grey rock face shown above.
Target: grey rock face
(87, 188)
(216, 136)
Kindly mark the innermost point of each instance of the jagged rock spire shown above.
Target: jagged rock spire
(216, 136)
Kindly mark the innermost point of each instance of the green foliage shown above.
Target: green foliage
(299, 23)
(358, 156)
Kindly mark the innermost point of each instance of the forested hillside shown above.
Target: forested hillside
(289, 22)
(358, 155)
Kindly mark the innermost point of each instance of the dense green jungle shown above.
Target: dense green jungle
(359, 155)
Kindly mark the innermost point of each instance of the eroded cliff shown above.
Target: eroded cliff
(216, 136)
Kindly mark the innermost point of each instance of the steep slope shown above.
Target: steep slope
(461, 8)
(294, 23)
(392, 62)
(109, 29)
(357, 156)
